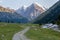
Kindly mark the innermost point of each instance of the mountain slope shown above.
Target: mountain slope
(3, 9)
(12, 18)
(49, 16)
(32, 11)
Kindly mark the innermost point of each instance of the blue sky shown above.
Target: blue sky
(15, 4)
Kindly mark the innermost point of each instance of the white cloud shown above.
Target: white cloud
(0, 1)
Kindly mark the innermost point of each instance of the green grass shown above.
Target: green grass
(7, 30)
(42, 34)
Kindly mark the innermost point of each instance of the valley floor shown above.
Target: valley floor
(9, 31)
(43, 34)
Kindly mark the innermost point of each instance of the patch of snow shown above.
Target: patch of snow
(39, 5)
(52, 26)
(25, 6)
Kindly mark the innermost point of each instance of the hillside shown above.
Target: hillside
(50, 15)
(12, 18)
(3, 9)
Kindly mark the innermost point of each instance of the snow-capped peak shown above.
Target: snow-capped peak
(37, 4)
(31, 11)
(25, 6)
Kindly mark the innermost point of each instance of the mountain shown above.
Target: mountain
(12, 18)
(3, 9)
(9, 15)
(32, 11)
(49, 16)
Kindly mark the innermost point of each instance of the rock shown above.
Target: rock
(51, 26)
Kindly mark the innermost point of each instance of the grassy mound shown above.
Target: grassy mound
(43, 34)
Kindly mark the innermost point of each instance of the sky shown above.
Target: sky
(15, 4)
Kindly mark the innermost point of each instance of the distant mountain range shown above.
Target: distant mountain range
(32, 11)
(22, 15)
(35, 13)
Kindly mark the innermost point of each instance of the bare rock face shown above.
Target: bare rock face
(51, 26)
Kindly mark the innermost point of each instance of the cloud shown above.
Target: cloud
(0, 1)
